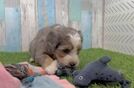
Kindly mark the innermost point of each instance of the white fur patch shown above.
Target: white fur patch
(51, 69)
(58, 26)
(75, 39)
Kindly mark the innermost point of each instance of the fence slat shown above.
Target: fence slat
(86, 23)
(97, 26)
(2, 10)
(62, 12)
(75, 13)
(41, 13)
(2, 25)
(86, 28)
(28, 22)
(75, 10)
(50, 12)
(13, 32)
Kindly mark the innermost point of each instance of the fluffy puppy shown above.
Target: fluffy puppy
(55, 45)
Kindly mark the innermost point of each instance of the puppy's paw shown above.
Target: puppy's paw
(51, 69)
(31, 60)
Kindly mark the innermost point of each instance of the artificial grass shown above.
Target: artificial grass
(121, 62)
(12, 58)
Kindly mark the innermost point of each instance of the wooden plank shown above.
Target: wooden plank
(75, 14)
(2, 10)
(62, 12)
(12, 3)
(2, 35)
(46, 13)
(2, 25)
(75, 10)
(97, 25)
(28, 22)
(13, 32)
(86, 23)
(50, 11)
(94, 31)
(87, 5)
(41, 13)
(86, 26)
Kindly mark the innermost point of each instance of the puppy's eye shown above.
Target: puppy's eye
(66, 50)
(78, 51)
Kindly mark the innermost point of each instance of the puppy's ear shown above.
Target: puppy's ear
(52, 41)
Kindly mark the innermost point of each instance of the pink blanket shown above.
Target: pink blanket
(6, 80)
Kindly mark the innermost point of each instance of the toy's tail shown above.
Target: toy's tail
(105, 59)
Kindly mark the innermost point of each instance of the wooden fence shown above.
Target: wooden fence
(107, 24)
(20, 20)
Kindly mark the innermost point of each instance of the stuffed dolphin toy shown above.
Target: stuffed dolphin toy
(99, 71)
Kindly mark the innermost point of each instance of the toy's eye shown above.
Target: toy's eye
(80, 77)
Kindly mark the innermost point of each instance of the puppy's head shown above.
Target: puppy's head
(67, 43)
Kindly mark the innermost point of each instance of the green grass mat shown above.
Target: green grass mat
(121, 62)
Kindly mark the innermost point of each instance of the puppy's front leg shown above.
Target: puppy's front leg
(51, 69)
(46, 61)
(49, 64)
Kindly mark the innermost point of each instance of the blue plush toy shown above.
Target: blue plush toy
(98, 71)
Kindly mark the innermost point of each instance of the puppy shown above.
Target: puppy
(55, 45)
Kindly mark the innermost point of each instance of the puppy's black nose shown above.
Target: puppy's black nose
(72, 64)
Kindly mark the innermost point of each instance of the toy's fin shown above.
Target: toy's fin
(105, 59)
